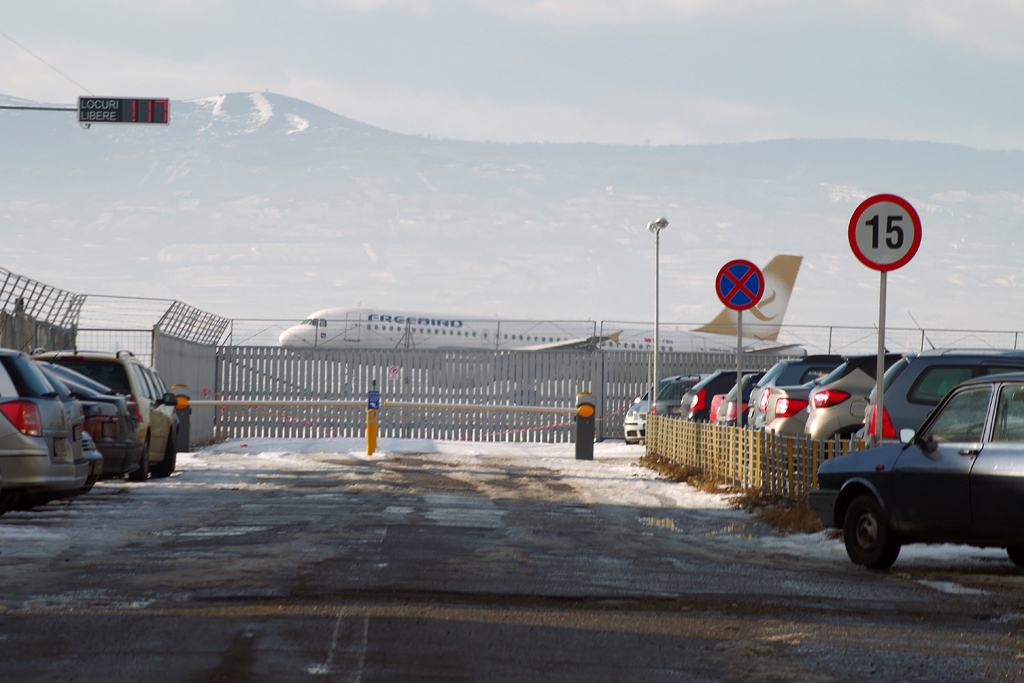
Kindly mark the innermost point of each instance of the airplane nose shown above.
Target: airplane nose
(291, 337)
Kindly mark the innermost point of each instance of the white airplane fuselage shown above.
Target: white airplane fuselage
(370, 328)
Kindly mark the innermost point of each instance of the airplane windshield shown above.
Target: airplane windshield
(315, 322)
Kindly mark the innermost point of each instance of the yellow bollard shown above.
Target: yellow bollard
(372, 406)
(371, 431)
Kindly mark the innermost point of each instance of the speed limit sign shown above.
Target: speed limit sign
(885, 232)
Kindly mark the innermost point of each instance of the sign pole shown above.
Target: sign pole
(884, 234)
(739, 285)
(880, 365)
(739, 368)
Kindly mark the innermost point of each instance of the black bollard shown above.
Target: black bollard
(585, 426)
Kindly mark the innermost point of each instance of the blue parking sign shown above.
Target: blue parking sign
(373, 400)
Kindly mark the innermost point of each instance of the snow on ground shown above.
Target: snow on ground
(614, 477)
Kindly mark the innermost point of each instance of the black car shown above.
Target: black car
(957, 479)
(696, 403)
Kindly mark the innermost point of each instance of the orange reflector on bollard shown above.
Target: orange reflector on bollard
(182, 403)
(586, 410)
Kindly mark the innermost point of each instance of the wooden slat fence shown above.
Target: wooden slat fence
(783, 467)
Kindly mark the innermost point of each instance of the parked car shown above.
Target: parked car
(697, 402)
(957, 479)
(837, 402)
(634, 425)
(915, 384)
(716, 404)
(787, 373)
(787, 409)
(41, 456)
(727, 411)
(670, 391)
(109, 419)
(156, 422)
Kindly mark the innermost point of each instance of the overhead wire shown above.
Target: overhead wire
(79, 85)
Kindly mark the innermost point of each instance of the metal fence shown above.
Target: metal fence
(480, 377)
(783, 467)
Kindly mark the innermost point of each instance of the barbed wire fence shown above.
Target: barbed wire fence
(36, 315)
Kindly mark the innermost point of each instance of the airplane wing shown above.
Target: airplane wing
(583, 343)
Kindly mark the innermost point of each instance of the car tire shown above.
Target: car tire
(142, 474)
(1016, 553)
(165, 467)
(869, 539)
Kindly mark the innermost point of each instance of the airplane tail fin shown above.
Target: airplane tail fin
(779, 278)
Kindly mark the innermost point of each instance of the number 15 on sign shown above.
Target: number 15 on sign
(885, 232)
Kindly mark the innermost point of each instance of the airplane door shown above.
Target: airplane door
(353, 323)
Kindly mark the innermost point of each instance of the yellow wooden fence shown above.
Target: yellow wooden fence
(783, 467)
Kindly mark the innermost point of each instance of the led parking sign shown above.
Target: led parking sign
(123, 110)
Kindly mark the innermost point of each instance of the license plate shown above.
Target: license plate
(61, 449)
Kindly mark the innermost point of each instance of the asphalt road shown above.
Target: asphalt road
(419, 567)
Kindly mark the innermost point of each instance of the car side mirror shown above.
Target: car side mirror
(169, 399)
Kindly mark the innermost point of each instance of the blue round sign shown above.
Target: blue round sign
(740, 285)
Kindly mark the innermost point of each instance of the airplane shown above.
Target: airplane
(370, 328)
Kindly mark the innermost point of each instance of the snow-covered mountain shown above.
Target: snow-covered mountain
(259, 205)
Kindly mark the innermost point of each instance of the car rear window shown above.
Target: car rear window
(26, 377)
(936, 381)
(801, 373)
(674, 391)
(109, 373)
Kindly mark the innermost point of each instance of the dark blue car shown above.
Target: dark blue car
(957, 479)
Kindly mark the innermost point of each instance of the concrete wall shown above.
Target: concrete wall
(195, 366)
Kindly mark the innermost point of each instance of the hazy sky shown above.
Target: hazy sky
(613, 71)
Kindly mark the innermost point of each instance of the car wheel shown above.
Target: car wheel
(1016, 553)
(142, 474)
(869, 539)
(165, 467)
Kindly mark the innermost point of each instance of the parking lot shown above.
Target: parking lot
(308, 560)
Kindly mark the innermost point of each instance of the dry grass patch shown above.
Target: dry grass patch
(787, 518)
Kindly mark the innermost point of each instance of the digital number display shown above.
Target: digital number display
(123, 110)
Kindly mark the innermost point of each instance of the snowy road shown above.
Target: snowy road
(290, 560)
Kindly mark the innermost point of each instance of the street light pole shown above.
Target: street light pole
(656, 227)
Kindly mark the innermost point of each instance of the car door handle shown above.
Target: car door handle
(969, 451)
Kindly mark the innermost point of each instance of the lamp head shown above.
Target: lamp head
(658, 225)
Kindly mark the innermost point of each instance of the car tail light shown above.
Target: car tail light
(24, 415)
(698, 402)
(101, 428)
(762, 405)
(133, 405)
(888, 432)
(829, 397)
(788, 407)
